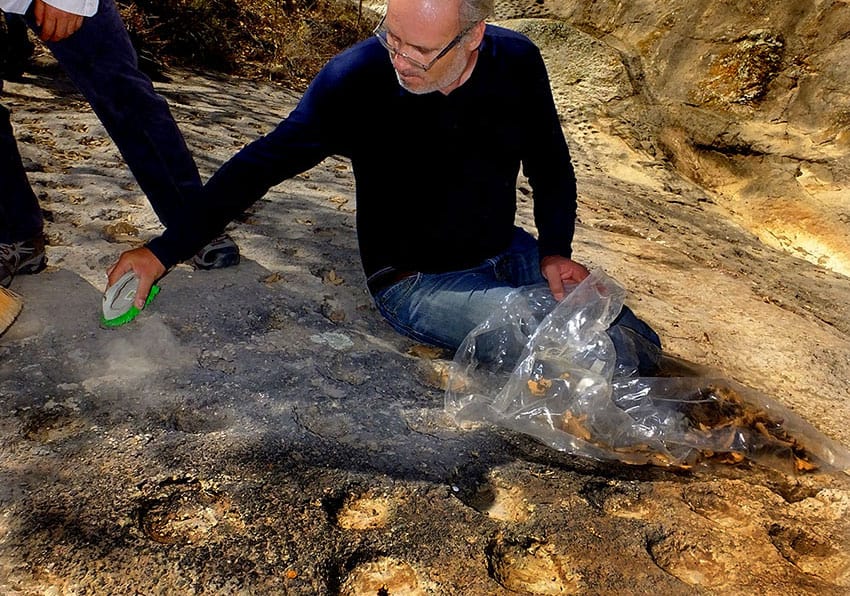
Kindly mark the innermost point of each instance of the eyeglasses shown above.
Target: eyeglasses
(381, 33)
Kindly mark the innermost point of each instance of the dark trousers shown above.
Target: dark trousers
(100, 60)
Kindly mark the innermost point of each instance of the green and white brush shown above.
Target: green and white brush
(118, 307)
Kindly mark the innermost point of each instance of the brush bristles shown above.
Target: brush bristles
(10, 307)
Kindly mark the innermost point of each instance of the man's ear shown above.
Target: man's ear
(476, 34)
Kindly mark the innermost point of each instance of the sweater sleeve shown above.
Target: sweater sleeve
(549, 168)
(297, 144)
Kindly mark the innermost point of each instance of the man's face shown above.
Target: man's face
(418, 30)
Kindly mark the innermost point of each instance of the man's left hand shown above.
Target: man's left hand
(557, 270)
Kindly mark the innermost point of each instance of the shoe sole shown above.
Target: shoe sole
(29, 267)
(220, 262)
(33, 265)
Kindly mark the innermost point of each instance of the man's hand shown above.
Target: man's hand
(557, 270)
(146, 267)
(56, 24)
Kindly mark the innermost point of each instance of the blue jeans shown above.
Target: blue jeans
(442, 308)
(100, 60)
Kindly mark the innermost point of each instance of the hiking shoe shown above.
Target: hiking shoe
(221, 252)
(21, 257)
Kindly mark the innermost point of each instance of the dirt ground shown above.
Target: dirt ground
(260, 430)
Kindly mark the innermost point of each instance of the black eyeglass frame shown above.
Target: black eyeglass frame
(381, 33)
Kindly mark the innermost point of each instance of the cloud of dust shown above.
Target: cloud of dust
(139, 350)
(144, 350)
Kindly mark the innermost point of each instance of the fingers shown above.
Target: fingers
(57, 29)
(146, 267)
(38, 11)
(575, 273)
(552, 272)
(55, 24)
(48, 27)
(118, 269)
(71, 26)
(557, 288)
(559, 272)
(142, 293)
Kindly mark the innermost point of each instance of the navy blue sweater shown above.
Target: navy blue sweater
(435, 174)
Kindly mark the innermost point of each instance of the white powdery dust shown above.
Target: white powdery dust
(137, 349)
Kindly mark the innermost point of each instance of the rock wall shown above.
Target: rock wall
(748, 99)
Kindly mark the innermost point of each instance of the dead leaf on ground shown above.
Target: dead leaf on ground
(121, 231)
(332, 278)
(428, 352)
(272, 278)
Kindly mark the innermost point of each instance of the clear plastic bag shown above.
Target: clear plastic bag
(551, 370)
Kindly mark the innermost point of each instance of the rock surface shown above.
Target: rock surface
(747, 99)
(260, 430)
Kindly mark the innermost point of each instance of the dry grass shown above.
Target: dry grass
(279, 40)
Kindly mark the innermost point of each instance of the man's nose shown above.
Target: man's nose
(402, 63)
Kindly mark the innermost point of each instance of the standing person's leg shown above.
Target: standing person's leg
(21, 223)
(102, 63)
(18, 48)
(20, 215)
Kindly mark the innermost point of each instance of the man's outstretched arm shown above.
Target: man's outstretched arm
(297, 144)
